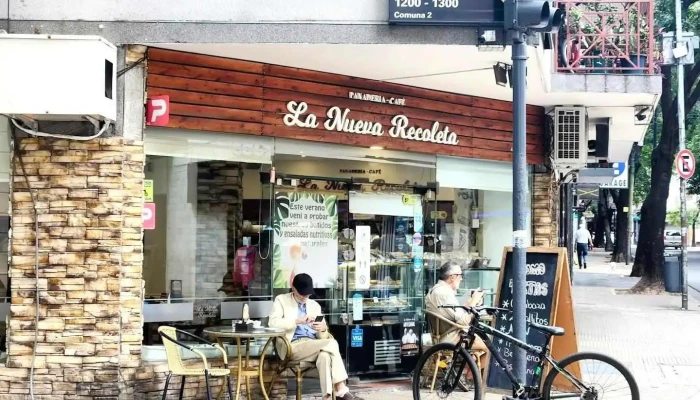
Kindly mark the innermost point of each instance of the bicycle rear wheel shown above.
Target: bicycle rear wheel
(604, 377)
(434, 376)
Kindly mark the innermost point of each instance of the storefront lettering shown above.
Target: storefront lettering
(338, 120)
(361, 171)
(377, 98)
(379, 185)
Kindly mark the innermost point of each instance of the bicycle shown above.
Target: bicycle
(453, 371)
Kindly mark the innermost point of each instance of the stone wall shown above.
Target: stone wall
(89, 199)
(545, 208)
(219, 223)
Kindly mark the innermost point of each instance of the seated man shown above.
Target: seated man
(444, 293)
(295, 313)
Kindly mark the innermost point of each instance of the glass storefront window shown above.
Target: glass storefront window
(371, 234)
(207, 246)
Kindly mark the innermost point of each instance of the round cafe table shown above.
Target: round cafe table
(243, 370)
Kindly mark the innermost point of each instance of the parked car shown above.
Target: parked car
(672, 238)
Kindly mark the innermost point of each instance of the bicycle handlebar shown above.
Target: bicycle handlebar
(476, 310)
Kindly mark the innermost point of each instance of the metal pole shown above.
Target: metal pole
(519, 57)
(571, 226)
(681, 143)
(656, 115)
(630, 214)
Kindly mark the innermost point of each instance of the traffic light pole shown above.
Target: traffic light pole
(520, 189)
(521, 16)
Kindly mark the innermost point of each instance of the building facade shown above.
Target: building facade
(270, 106)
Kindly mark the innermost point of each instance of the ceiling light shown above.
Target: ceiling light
(376, 148)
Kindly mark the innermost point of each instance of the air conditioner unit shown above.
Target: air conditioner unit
(570, 137)
(58, 78)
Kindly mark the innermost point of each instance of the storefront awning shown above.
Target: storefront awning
(199, 145)
(467, 173)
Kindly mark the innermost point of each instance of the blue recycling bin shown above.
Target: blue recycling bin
(672, 274)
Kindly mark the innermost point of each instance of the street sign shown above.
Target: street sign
(607, 178)
(446, 12)
(620, 176)
(685, 164)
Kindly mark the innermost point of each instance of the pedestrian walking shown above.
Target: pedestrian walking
(583, 243)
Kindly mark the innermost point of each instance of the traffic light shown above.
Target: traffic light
(535, 15)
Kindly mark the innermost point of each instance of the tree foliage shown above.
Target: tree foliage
(650, 250)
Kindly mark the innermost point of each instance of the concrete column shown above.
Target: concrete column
(131, 88)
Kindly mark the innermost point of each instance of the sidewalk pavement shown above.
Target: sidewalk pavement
(648, 334)
(651, 335)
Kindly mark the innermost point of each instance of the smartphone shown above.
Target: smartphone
(319, 318)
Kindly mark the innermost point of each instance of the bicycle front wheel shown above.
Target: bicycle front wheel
(437, 375)
(604, 378)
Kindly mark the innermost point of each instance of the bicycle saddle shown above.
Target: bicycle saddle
(552, 330)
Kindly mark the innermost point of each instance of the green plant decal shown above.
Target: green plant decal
(279, 281)
(331, 203)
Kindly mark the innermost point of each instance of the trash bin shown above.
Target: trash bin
(672, 274)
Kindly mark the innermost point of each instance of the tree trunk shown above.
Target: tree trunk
(600, 218)
(692, 243)
(621, 198)
(609, 244)
(607, 220)
(649, 256)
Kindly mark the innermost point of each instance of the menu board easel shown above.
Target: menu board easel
(549, 302)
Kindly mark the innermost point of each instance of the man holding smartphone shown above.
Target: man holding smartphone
(306, 329)
(444, 293)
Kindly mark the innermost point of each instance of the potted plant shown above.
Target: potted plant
(634, 39)
(586, 22)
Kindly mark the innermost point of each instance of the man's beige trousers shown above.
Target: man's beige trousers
(326, 354)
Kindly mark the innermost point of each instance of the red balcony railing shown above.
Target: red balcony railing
(607, 37)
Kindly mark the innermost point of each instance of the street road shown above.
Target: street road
(694, 270)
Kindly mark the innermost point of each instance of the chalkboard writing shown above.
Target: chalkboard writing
(446, 12)
(541, 280)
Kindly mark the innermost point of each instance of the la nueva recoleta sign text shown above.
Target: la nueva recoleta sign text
(340, 120)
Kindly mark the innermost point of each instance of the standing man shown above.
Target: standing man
(583, 243)
(297, 314)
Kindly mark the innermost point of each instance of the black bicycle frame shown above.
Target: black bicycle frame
(482, 330)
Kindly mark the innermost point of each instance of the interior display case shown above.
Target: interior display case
(381, 283)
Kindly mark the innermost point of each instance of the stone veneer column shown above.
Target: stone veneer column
(89, 197)
(545, 209)
(219, 226)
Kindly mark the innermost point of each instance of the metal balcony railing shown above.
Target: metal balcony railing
(606, 37)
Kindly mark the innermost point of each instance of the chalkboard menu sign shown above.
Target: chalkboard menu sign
(446, 12)
(543, 271)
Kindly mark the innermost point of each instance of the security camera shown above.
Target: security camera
(487, 36)
(642, 114)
